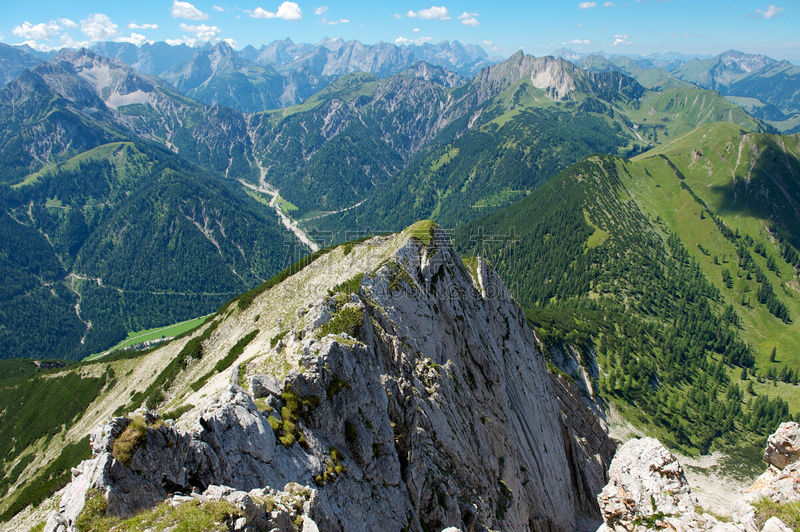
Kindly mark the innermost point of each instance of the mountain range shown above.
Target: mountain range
(763, 86)
(356, 155)
(642, 219)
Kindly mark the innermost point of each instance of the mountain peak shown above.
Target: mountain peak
(386, 363)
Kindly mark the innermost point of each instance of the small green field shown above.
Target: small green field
(285, 205)
(151, 334)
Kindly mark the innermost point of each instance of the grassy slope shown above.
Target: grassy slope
(710, 177)
(555, 259)
(111, 152)
(676, 111)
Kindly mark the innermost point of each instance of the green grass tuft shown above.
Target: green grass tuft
(789, 512)
(350, 286)
(227, 361)
(191, 516)
(133, 437)
(347, 320)
(422, 231)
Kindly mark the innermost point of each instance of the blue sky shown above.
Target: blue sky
(502, 27)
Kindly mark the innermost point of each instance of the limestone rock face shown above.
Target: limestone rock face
(783, 446)
(780, 482)
(646, 483)
(647, 488)
(586, 437)
(435, 409)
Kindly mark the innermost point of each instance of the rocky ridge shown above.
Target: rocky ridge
(648, 489)
(410, 395)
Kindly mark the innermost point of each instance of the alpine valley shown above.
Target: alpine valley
(348, 286)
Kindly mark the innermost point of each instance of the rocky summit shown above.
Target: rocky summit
(648, 490)
(386, 385)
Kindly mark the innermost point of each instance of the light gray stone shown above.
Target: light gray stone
(264, 386)
(783, 446)
(439, 407)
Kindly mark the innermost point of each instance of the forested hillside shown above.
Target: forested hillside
(125, 237)
(676, 275)
(523, 135)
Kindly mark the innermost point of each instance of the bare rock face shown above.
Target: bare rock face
(783, 446)
(779, 483)
(646, 481)
(434, 410)
(774, 524)
(647, 489)
(586, 437)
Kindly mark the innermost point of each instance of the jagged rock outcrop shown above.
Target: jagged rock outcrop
(779, 483)
(783, 446)
(586, 437)
(648, 489)
(432, 408)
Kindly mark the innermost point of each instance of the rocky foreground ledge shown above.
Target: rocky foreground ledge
(408, 393)
(647, 489)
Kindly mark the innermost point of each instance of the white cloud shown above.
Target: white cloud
(68, 23)
(469, 19)
(487, 43)
(404, 40)
(218, 9)
(203, 32)
(186, 10)
(286, 11)
(620, 39)
(136, 38)
(40, 47)
(135, 26)
(260, 12)
(289, 11)
(587, 5)
(321, 10)
(398, 16)
(432, 13)
(609, 4)
(578, 42)
(231, 42)
(770, 12)
(98, 27)
(69, 42)
(415, 30)
(340, 21)
(43, 30)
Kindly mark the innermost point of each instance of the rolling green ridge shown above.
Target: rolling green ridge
(672, 277)
(522, 137)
